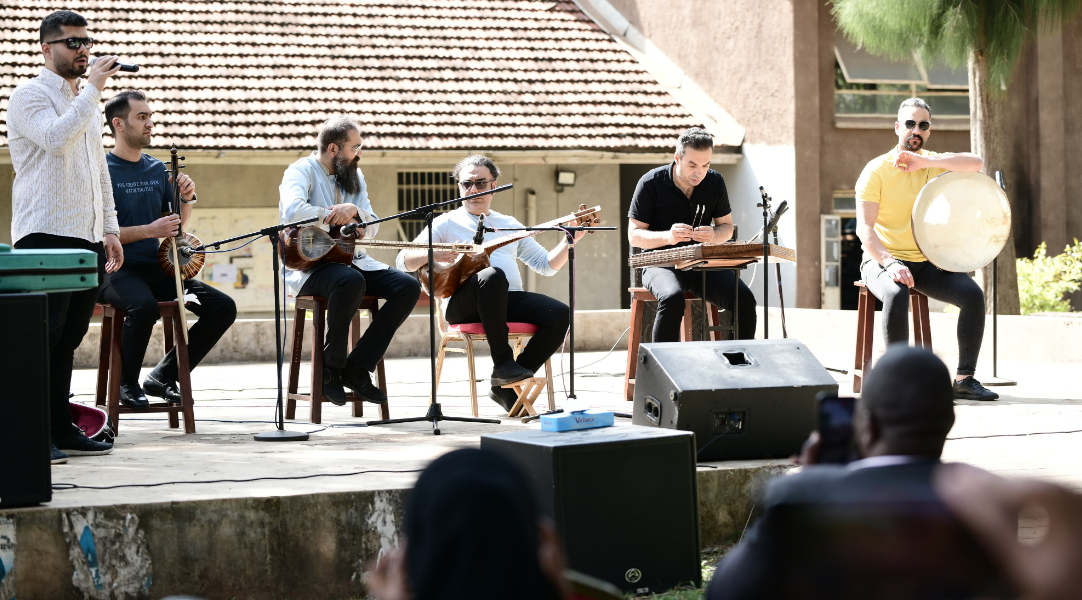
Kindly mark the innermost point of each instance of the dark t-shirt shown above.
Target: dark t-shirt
(141, 192)
(659, 203)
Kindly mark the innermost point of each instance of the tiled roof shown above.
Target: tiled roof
(417, 74)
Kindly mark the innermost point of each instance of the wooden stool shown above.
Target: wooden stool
(640, 295)
(315, 398)
(528, 390)
(109, 367)
(922, 329)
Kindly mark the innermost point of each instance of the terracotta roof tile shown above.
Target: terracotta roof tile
(418, 74)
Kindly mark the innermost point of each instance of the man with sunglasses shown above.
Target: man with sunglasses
(893, 263)
(62, 196)
(329, 186)
(495, 295)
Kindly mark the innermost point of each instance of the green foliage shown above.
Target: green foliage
(948, 30)
(1043, 280)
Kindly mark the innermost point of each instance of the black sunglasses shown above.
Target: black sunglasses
(924, 125)
(73, 43)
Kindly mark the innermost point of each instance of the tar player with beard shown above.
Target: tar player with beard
(892, 263)
(329, 186)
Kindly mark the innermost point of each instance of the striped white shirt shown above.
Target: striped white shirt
(62, 184)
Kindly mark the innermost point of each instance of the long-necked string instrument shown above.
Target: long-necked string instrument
(168, 257)
(303, 248)
(447, 277)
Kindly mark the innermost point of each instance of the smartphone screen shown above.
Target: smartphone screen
(836, 429)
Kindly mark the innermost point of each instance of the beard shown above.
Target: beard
(346, 174)
(135, 138)
(913, 143)
(67, 68)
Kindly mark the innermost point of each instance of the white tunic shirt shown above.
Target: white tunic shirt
(62, 184)
(307, 190)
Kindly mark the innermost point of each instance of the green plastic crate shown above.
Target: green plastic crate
(41, 270)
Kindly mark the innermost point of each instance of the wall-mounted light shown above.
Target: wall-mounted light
(564, 178)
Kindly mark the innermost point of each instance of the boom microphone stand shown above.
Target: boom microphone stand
(996, 379)
(435, 413)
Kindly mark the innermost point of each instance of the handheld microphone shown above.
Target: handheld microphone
(123, 67)
(479, 237)
(784, 206)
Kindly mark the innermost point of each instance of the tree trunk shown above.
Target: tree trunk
(987, 139)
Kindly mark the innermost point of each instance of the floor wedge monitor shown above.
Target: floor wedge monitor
(623, 498)
(742, 399)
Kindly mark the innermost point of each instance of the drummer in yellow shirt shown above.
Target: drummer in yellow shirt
(892, 263)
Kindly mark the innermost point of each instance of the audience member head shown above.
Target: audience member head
(906, 405)
(473, 530)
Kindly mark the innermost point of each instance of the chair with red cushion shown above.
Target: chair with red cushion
(467, 334)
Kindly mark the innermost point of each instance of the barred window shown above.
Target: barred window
(421, 188)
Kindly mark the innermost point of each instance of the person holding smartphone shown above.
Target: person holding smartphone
(877, 518)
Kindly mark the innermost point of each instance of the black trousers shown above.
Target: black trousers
(957, 289)
(668, 286)
(69, 320)
(344, 286)
(137, 289)
(484, 297)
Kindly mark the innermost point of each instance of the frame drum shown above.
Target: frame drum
(961, 221)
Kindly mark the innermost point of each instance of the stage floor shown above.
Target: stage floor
(1035, 430)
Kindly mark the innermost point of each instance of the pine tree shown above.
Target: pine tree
(988, 37)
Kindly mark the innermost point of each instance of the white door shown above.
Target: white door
(830, 257)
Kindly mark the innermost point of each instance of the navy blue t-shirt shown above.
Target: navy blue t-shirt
(141, 191)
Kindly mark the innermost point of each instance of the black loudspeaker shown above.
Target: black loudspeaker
(623, 499)
(24, 400)
(743, 399)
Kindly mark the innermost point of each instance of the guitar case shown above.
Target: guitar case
(47, 270)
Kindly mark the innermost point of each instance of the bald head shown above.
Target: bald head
(906, 404)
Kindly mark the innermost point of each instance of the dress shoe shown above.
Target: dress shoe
(971, 389)
(162, 387)
(77, 444)
(132, 396)
(360, 382)
(509, 372)
(332, 386)
(505, 397)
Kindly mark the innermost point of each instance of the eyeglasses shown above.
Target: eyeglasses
(911, 124)
(73, 43)
(480, 184)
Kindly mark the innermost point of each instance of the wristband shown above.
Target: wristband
(195, 198)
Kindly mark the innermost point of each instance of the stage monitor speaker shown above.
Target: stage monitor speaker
(742, 399)
(24, 401)
(623, 499)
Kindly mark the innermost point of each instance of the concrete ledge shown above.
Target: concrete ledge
(1049, 339)
(307, 546)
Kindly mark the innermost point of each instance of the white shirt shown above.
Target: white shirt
(62, 184)
(307, 190)
(889, 460)
(460, 225)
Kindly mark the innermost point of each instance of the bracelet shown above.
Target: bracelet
(195, 198)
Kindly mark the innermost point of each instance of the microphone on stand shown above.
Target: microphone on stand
(349, 230)
(479, 237)
(123, 67)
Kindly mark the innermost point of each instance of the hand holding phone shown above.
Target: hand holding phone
(836, 442)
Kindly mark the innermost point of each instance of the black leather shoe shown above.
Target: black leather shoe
(332, 386)
(360, 382)
(162, 388)
(132, 396)
(56, 457)
(77, 444)
(505, 397)
(971, 389)
(509, 372)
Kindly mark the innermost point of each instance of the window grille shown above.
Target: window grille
(421, 188)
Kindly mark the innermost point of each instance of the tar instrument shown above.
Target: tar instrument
(304, 248)
(961, 221)
(726, 254)
(189, 265)
(169, 258)
(448, 277)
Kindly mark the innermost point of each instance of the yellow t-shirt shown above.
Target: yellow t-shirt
(895, 191)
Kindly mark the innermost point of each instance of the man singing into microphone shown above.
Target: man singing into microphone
(329, 186)
(143, 191)
(62, 197)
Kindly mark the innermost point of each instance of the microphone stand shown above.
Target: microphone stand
(568, 231)
(765, 205)
(996, 379)
(435, 412)
(279, 434)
